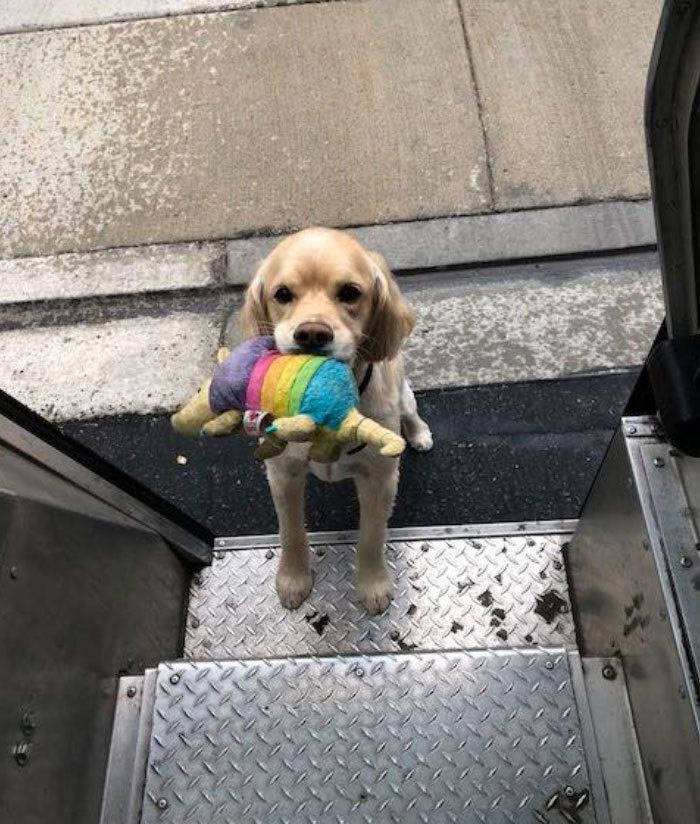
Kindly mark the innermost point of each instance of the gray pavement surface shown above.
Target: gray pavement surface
(561, 84)
(216, 125)
(535, 322)
(221, 125)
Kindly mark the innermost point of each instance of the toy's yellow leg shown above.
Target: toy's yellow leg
(195, 413)
(356, 427)
(197, 416)
(294, 428)
(223, 424)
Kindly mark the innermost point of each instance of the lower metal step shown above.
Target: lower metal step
(484, 736)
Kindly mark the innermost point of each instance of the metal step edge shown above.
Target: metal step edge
(122, 797)
(493, 530)
(609, 731)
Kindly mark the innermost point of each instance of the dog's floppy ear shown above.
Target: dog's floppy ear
(254, 317)
(391, 319)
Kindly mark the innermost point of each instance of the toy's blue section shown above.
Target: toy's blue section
(330, 394)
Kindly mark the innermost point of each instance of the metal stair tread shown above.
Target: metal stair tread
(494, 735)
(451, 592)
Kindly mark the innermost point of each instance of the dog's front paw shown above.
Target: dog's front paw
(293, 587)
(374, 590)
(421, 439)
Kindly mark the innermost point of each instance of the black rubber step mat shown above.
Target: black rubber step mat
(503, 452)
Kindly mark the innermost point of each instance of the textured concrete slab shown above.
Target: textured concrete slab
(215, 125)
(561, 84)
(30, 15)
(112, 272)
(544, 322)
(133, 365)
(483, 238)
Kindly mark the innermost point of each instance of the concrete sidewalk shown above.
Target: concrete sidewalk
(207, 126)
(453, 132)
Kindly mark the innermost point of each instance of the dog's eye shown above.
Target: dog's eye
(349, 293)
(283, 295)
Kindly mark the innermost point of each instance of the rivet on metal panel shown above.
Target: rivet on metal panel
(659, 462)
(162, 803)
(197, 579)
(321, 551)
(549, 665)
(686, 562)
(174, 678)
(631, 430)
(269, 554)
(569, 791)
(359, 672)
(131, 692)
(194, 623)
(609, 672)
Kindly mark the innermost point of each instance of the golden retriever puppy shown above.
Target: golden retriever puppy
(320, 291)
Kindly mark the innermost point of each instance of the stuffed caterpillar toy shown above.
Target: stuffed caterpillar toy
(283, 398)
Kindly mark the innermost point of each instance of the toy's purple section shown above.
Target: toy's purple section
(231, 376)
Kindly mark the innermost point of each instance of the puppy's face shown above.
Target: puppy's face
(320, 291)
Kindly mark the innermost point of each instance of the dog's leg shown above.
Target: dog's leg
(376, 495)
(294, 579)
(415, 429)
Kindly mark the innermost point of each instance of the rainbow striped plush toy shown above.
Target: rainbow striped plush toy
(284, 398)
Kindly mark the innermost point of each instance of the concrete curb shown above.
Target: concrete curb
(132, 270)
(410, 246)
(456, 241)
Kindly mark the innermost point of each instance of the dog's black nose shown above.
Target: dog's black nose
(313, 335)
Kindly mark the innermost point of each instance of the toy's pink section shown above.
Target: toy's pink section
(257, 377)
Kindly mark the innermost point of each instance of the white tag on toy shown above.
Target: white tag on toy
(255, 423)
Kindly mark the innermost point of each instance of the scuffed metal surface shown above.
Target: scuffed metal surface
(436, 737)
(449, 593)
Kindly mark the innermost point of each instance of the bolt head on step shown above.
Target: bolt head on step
(609, 672)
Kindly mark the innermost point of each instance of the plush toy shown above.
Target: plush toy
(284, 398)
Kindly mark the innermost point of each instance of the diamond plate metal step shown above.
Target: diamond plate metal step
(483, 736)
(455, 588)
